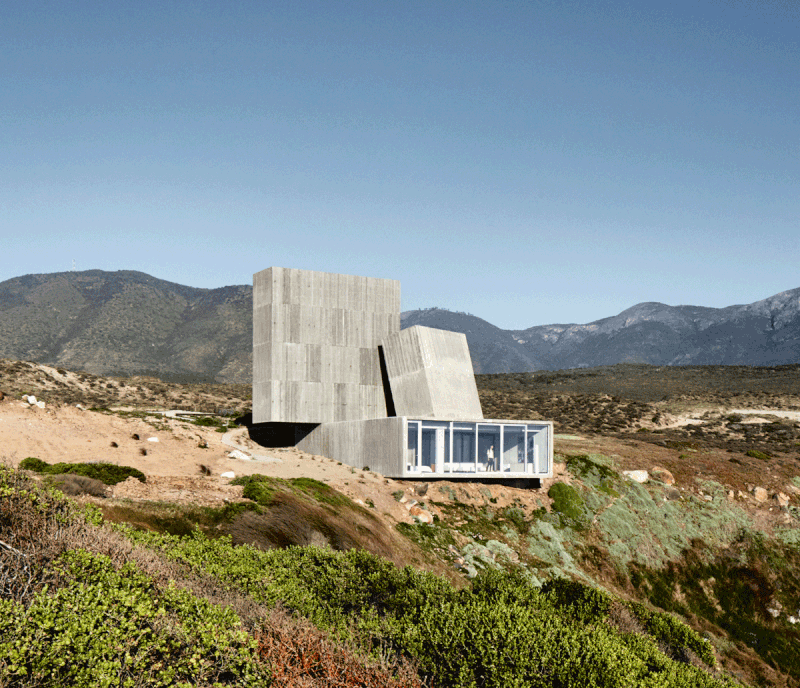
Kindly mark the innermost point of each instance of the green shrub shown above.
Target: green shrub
(107, 473)
(116, 628)
(33, 464)
(756, 454)
(569, 506)
(500, 633)
(674, 634)
(584, 604)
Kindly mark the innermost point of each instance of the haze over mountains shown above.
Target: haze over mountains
(128, 322)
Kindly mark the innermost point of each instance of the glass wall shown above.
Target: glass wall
(488, 448)
(429, 447)
(514, 448)
(463, 448)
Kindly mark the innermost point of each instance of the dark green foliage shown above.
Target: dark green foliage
(320, 492)
(33, 464)
(569, 506)
(107, 473)
(263, 488)
(502, 632)
(260, 492)
(756, 454)
(208, 422)
(593, 473)
(675, 635)
(733, 589)
(116, 628)
(516, 517)
(584, 603)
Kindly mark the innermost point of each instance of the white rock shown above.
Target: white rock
(760, 494)
(40, 404)
(227, 474)
(774, 608)
(152, 439)
(794, 620)
(636, 476)
(30, 399)
(236, 454)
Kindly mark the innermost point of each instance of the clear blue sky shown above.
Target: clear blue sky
(527, 162)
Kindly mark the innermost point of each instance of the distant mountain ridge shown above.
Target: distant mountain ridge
(766, 332)
(128, 322)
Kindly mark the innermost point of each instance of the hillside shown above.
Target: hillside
(128, 323)
(712, 537)
(120, 323)
(763, 333)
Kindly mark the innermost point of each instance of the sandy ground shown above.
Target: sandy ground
(174, 456)
(171, 451)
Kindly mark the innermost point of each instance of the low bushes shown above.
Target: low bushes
(501, 632)
(107, 473)
(105, 627)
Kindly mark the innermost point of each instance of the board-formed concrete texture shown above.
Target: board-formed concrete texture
(378, 444)
(430, 374)
(319, 343)
(315, 345)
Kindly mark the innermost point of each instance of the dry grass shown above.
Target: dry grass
(303, 656)
(292, 520)
(76, 485)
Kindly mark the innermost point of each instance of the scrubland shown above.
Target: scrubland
(325, 577)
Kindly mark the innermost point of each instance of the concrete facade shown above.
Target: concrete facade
(378, 443)
(430, 374)
(315, 345)
(334, 375)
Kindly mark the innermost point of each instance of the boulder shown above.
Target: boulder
(236, 454)
(421, 515)
(636, 476)
(663, 475)
(781, 498)
(152, 439)
(228, 474)
(760, 494)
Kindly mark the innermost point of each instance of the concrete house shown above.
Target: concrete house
(334, 375)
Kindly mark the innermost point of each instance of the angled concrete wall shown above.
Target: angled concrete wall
(430, 374)
(315, 345)
(379, 444)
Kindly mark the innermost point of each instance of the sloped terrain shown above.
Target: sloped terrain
(128, 323)
(712, 538)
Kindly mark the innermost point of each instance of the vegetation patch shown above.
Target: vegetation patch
(109, 627)
(594, 473)
(748, 589)
(569, 506)
(756, 454)
(107, 473)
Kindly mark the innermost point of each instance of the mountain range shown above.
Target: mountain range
(126, 322)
